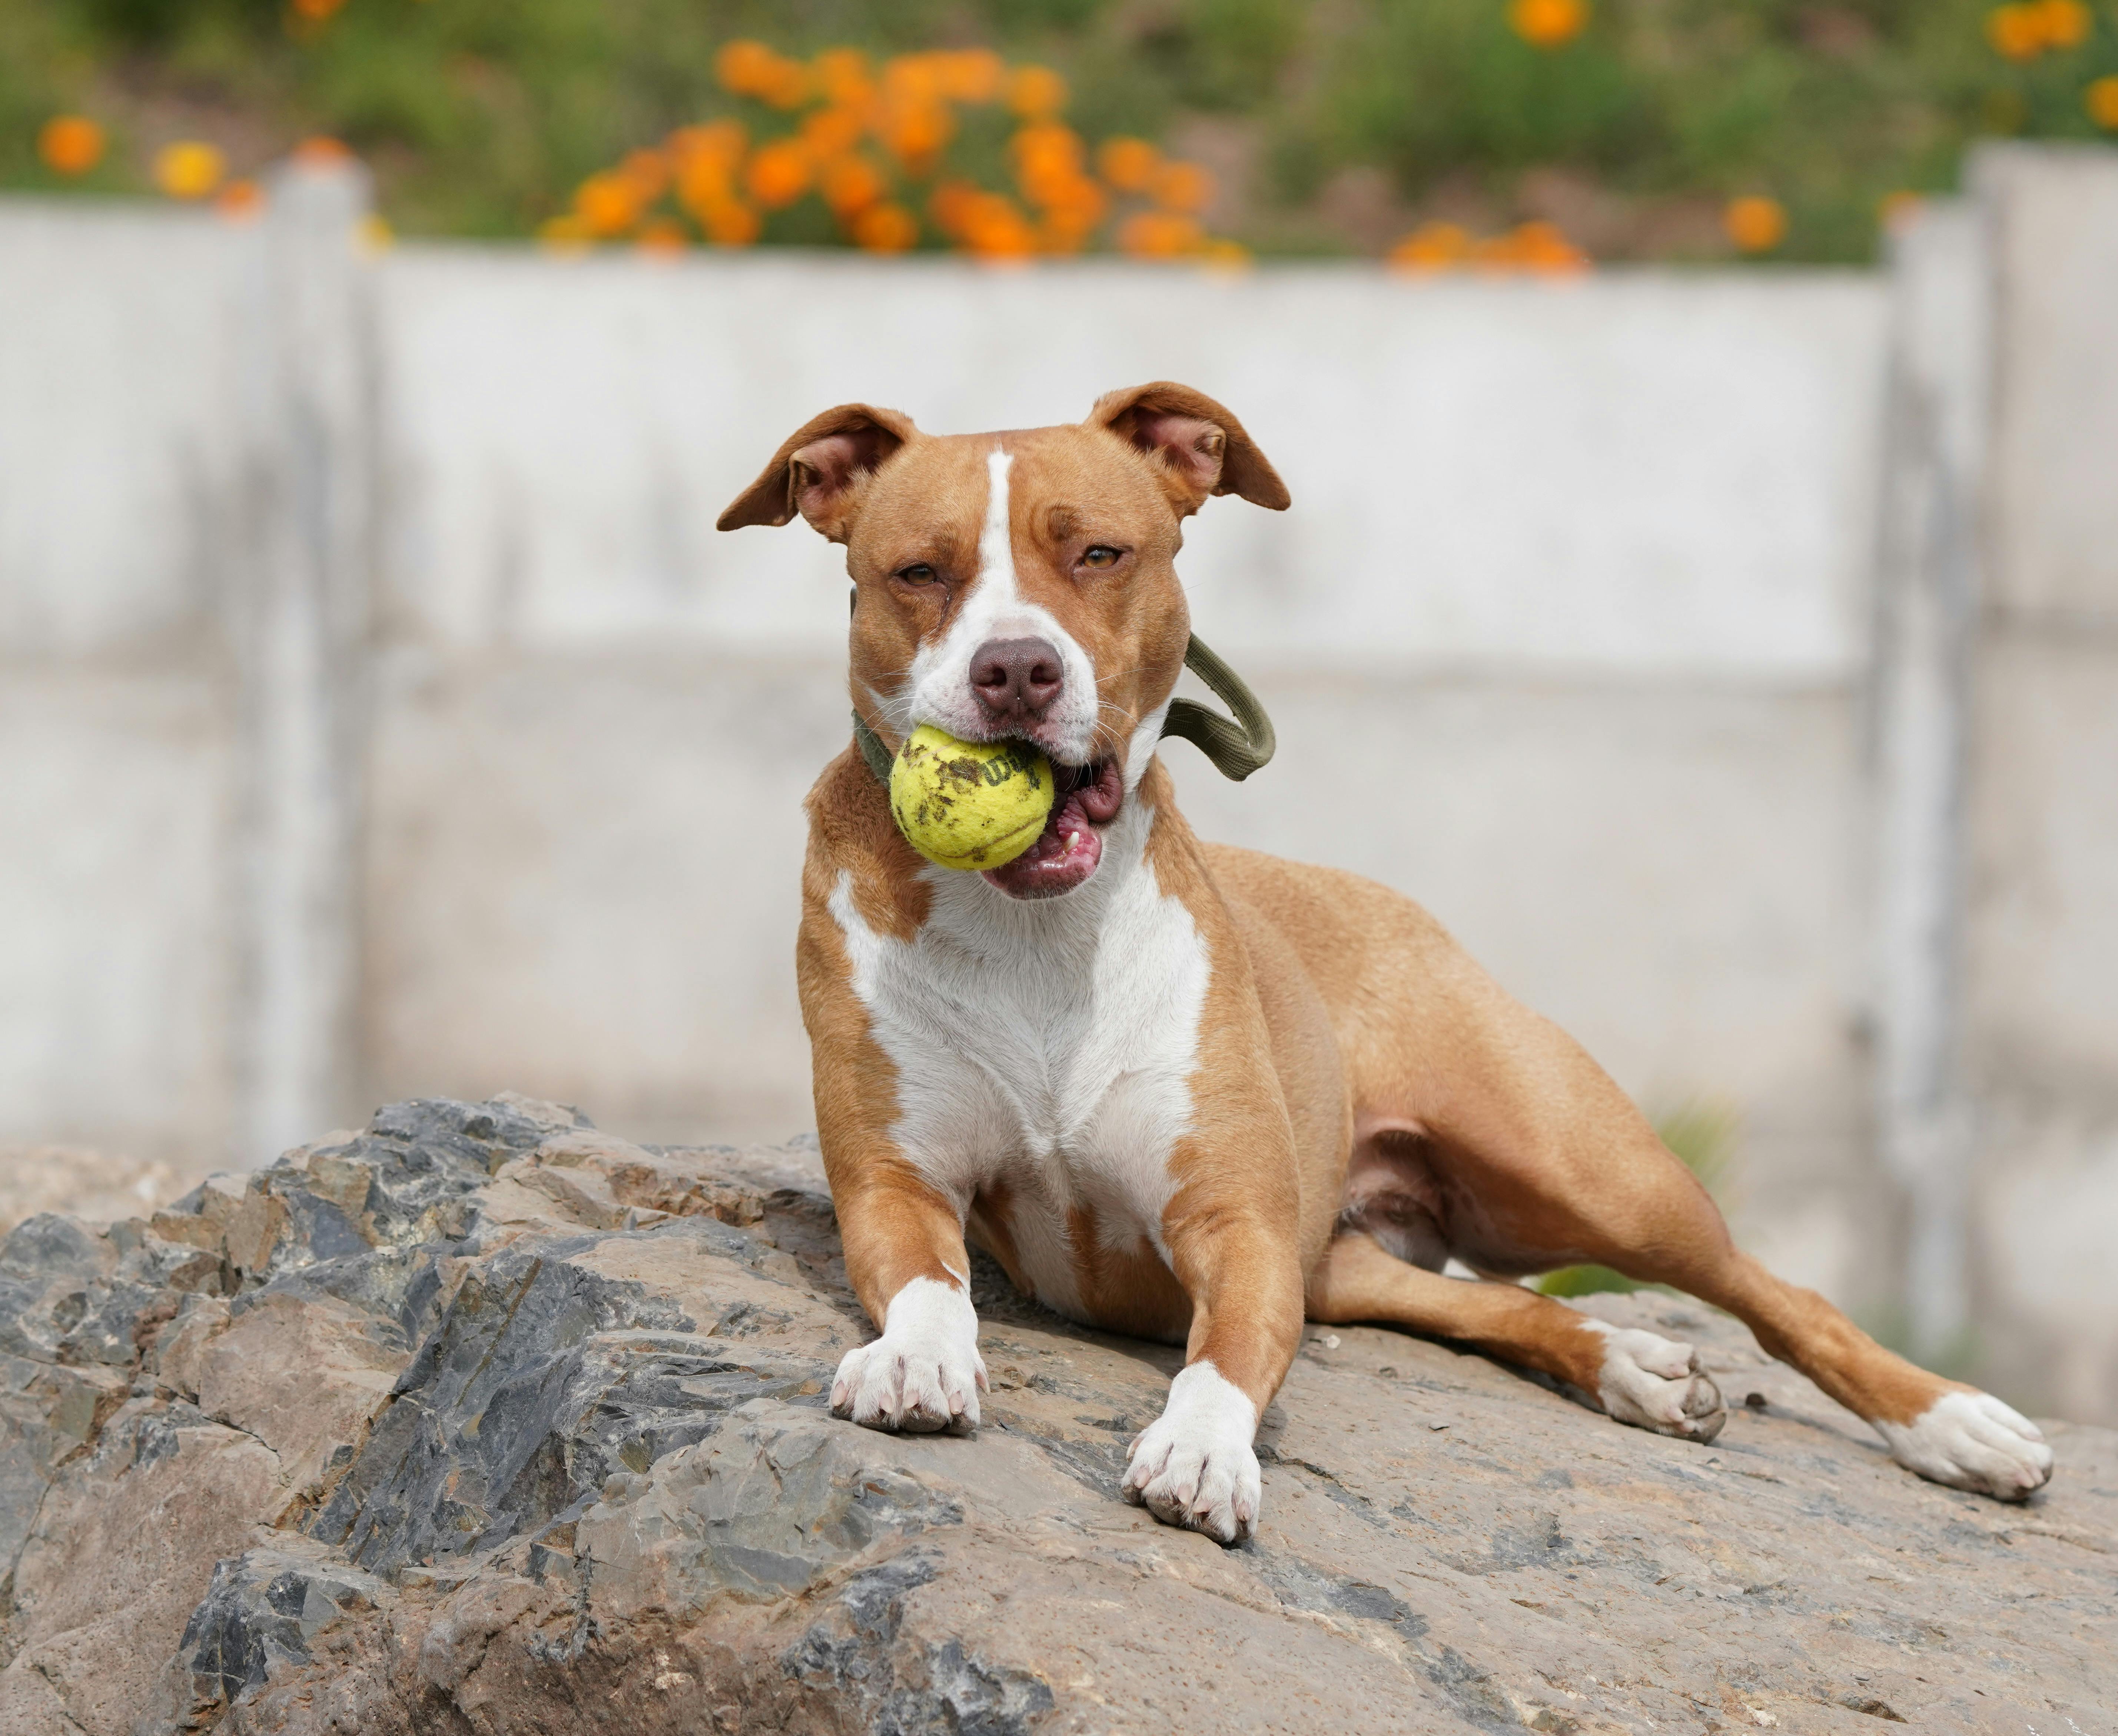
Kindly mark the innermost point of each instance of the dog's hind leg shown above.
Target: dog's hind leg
(1637, 1377)
(1536, 1159)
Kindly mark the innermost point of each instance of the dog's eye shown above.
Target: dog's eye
(919, 573)
(1100, 555)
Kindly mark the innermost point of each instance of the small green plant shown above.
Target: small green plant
(1702, 1136)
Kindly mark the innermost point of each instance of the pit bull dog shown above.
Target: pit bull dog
(1185, 1092)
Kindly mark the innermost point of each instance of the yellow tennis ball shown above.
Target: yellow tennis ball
(968, 804)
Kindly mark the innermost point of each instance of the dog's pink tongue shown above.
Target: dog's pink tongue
(1068, 849)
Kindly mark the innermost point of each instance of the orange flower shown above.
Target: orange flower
(911, 80)
(2018, 31)
(1159, 235)
(842, 75)
(240, 202)
(1547, 24)
(731, 223)
(647, 172)
(1128, 164)
(189, 169)
(971, 75)
(1756, 223)
(663, 238)
(778, 173)
(606, 204)
(831, 132)
(320, 151)
(2101, 99)
(1052, 142)
(1069, 223)
(1048, 162)
(916, 134)
(994, 229)
(746, 68)
(1182, 187)
(2067, 23)
(1433, 246)
(1543, 247)
(315, 12)
(724, 141)
(1036, 93)
(789, 87)
(1077, 209)
(706, 159)
(850, 184)
(70, 144)
(886, 228)
(950, 206)
(1494, 255)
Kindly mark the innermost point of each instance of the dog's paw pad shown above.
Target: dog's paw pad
(924, 1374)
(1971, 1440)
(1656, 1382)
(1194, 1465)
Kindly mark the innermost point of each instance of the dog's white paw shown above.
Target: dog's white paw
(1194, 1465)
(1971, 1440)
(924, 1373)
(1655, 1383)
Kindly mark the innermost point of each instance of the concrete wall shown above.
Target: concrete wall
(121, 452)
(388, 718)
(2041, 993)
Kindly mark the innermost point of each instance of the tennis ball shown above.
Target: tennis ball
(968, 804)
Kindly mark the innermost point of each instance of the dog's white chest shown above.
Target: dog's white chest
(1045, 1048)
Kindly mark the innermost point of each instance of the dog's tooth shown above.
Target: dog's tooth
(1072, 839)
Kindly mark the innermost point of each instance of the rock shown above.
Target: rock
(481, 1421)
(106, 1582)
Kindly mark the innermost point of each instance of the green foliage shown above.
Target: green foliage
(480, 116)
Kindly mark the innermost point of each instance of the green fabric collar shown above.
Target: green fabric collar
(1236, 746)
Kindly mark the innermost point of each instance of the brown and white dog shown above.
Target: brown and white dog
(1182, 1090)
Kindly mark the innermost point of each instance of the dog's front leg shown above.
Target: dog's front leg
(1196, 1466)
(905, 1259)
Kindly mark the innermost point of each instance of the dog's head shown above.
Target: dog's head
(1020, 585)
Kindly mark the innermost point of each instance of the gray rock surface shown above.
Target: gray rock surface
(480, 1420)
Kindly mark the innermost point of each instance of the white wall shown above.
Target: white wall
(1624, 474)
(120, 465)
(2041, 1036)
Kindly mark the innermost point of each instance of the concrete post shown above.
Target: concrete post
(1927, 602)
(301, 615)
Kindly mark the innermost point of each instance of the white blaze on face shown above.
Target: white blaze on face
(938, 689)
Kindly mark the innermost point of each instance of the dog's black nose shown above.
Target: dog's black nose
(1016, 679)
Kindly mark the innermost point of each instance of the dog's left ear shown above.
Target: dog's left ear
(1202, 448)
(817, 467)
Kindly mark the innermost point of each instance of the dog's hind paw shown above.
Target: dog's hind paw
(924, 1374)
(1655, 1383)
(1971, 1440)
(1194, 1465)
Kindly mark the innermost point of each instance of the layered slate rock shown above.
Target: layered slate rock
(480, 1420)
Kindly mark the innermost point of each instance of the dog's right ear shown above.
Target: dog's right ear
(819, 469)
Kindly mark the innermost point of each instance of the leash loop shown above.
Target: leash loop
(1236, 746)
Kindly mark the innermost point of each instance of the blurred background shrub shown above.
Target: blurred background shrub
(1633, 129)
